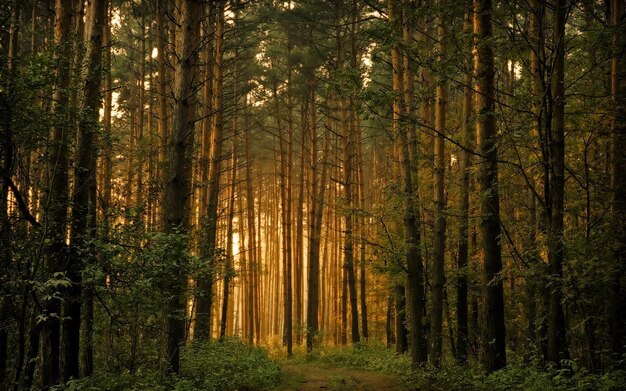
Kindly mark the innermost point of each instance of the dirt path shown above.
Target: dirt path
(310, 377)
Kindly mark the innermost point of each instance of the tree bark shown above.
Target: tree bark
(299, 253)
(618, 179)
(7, 161)
(362, 229)
(228, 267)
(347, 124)
(411, 221)
(84, 205)
(162, 84)
(487, 140)
(205, 299)
(253, 260)
(318, 190)
(557, 344)
(177, 207)
(58, 193)
(436, 314)
(463, 249)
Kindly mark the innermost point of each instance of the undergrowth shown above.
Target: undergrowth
(519, 375)
(212, 366)
(232, 365)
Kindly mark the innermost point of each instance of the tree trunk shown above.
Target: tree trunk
(557, 344)
(409, 195)
(205, 287)
(463, 250)
(315, 224)
(177, 207)
(347, 125)
(286, 155)
(436, 323)
(299, 253)
(162, 60)
(84, 203)
(228, 267)
(618, 179)
(253, 260)
(362, 229)
(58, 197)
(486, 134)
(7, 160)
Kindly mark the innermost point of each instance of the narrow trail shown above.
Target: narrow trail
(315, 377)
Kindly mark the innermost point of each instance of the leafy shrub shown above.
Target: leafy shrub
(519, 375)
(369, 356)
(229, 365)
(210, 366)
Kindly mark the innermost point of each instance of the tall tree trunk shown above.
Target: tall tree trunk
(5, 251)
(398, 73)
(618, 179)
(486, 135)
(318, 190)
(141, 103)
(436, 323)
(362, 229)
(299, 239)
(409, 194)
(557, 344)
(347, 125)
(228, 267)
(132, 136)
(7, 161)
(286, 154)
(162, 82)
(288, 271)
(84, 200)
(205, 286)
(253, 260)
(106, 141)
(463, 249)
(58, 193)
(536, 331)
(177, 207)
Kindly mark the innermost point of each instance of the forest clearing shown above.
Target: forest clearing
(312, 195)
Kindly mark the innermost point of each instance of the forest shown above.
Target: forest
(312, 194)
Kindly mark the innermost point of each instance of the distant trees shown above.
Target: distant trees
(311, 173)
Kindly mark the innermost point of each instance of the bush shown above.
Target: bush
(229, 365)
(369, 356)
(210, 366)
(519, 375)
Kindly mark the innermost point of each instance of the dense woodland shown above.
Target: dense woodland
(443, 177)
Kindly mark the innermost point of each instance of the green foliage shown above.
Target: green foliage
(519, 375)
(134, 277)
(229, 365)
(226, 365)
(368, 356)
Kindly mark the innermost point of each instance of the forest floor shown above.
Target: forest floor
(314, 376)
